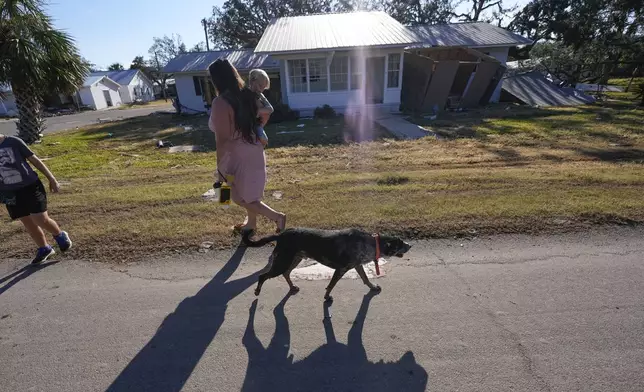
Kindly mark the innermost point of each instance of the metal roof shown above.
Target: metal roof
(534, 89)
(334, 31)
(121, 77)
(243, 59)
(91, 80)
(475, 34)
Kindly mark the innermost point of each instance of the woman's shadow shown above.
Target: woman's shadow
(169, 358)
(331, 367)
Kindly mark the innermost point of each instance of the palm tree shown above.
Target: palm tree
(35, 59)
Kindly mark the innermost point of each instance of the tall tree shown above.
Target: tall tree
(419, 12)
(161, 52)
(491, 11)
(116, 67)
(138, 63)
(612, 31)
(91, 66)
(35, 59)
(199, 47)
(240, 23)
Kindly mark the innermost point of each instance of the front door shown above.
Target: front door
(108, 98)
(375, 80)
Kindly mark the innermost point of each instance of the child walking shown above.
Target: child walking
(258, 82)
(25, 197)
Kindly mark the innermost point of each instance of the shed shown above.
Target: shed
(99, 92)
(134, 85)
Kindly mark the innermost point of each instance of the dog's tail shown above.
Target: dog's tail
(259, 243)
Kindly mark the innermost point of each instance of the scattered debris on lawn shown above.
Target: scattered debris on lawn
(162, 144)
(210, 195)
(277, 195)
(286, 132)
(176, 149)
(206, 246)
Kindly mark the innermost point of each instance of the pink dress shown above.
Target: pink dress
(245, 161)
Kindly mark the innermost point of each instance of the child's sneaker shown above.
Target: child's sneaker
(63, 241)
(43, 254)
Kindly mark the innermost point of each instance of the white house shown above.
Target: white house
(343, 60)
(134, 85)
(99, 92)
(7, 102)
(349, 60)
(194, 89)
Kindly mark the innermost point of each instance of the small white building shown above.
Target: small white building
(194, 88)
(99, 92)
(342, 60)
(7, 102)
(134, 85)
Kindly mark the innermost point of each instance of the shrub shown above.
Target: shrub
(393, 180)
(282, 112)
(325, 111)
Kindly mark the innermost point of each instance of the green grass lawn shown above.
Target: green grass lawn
(494, 170)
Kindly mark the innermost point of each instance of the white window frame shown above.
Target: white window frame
(360, 74)
(289, 78)
(347, 73)
(398, 70)
(324, 73)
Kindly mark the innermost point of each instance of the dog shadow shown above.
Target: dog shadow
(334, 366)
(169, 358)
(22, 274)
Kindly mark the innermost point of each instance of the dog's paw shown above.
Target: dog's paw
(328, 299)
(295, 290)
(376, 289)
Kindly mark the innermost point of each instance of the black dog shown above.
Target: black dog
(341, 250)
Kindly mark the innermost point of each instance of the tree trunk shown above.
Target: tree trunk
(31, 123)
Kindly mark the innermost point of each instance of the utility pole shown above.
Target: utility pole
(205, 31)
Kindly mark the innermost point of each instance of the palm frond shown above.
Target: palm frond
(34, 52)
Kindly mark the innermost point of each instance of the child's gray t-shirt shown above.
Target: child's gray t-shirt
(15, 172)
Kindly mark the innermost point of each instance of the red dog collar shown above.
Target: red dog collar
(377, 237)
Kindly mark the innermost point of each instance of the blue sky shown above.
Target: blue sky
(118, 30)
(101, 33)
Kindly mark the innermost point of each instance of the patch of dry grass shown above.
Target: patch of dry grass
(518, 170)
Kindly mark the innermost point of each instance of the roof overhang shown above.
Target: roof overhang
(336, 49)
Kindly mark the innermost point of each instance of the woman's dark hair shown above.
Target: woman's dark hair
(230, 86)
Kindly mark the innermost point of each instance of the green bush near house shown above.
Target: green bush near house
(325, 112)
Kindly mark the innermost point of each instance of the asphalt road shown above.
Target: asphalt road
(511, 313)
(59, 123)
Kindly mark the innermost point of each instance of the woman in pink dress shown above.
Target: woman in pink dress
(240, 156)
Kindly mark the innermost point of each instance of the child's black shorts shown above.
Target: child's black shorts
(31, 199)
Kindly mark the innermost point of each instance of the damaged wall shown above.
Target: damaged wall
(448, 77)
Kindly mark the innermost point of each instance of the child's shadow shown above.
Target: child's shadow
(331, 367)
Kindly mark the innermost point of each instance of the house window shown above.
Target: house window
(196, 80)
(339, 72)
(393, 71)
(356, 73)
(297, 75)
(318, 80)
